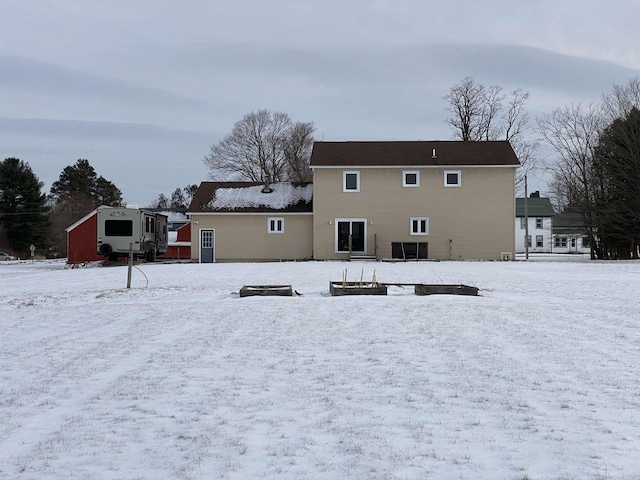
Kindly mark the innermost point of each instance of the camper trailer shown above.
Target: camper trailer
(120, 229)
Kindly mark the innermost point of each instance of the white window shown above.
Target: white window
(419, 225)
(452, 178)
(539, 240)
(556, 242)
(275, 224)
(539, 223)
(411, 178)
(351, 181)
(207, 238)
(523, 223)
(528, 240)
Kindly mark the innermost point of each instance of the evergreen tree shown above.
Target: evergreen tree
(617, 165)
(77, 192)
(106, 193)
(23, 210)
(80, 178)
(177, 199)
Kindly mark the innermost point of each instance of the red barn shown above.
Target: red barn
(82, 238)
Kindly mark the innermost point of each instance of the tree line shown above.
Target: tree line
(596, 164)
(596, 168)
(30, 217)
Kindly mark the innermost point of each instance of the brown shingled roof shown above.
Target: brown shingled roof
(420, 153)
(206, 193)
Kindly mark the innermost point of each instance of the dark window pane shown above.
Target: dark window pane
(411, 179)
(452, 178)
(351, 181)
(118, 228)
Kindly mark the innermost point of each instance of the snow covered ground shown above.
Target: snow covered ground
(178, 377)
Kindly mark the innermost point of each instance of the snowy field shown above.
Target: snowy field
(179, 378)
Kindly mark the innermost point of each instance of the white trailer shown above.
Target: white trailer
(119, 229)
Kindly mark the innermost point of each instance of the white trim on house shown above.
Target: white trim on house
(344, 181)
(363, 167)
(452, 172)
(250, 213)
(275, 225)
(411, 172)
(213, 243)
(419, 224)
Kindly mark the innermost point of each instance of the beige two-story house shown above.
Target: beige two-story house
(426, 199)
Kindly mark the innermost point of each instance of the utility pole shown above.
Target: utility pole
(526, 221)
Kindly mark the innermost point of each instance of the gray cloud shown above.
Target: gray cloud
(143, 88)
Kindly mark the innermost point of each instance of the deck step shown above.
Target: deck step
(370, 258)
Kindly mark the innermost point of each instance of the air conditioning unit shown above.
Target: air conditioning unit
(505, 256)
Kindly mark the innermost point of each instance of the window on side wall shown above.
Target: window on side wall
(523, 223)
(351, 181)
(411, 178)
(528, 240)
(452, 178)
(419, 226)
(275, 225)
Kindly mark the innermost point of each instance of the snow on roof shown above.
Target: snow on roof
(176, 216)
(282, 195)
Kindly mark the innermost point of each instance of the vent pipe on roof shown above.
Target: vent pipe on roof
(267, 187)
(433, 153)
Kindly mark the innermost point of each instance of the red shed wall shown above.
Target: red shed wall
(184, 233)
(81, 242)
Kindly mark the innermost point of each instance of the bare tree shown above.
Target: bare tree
(624, 98)
(478, 113)
(262, 146)
(573, 132)
(297, 151)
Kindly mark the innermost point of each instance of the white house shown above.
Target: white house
(570, 234)
(540, 216)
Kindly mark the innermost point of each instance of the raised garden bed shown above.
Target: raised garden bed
(356, 288)
(436, 289)
(266, 290)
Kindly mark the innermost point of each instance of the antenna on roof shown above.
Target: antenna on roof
(433, 153)
(267, 187)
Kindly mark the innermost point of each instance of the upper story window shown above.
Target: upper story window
(452, 178)
(351, 181)
(539, 223)
(275, 224)
(523, 223)
(419, 225)
(411, 178)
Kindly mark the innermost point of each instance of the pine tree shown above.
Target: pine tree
(23, 210)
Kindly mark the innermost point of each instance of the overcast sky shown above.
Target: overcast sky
(142, 88)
